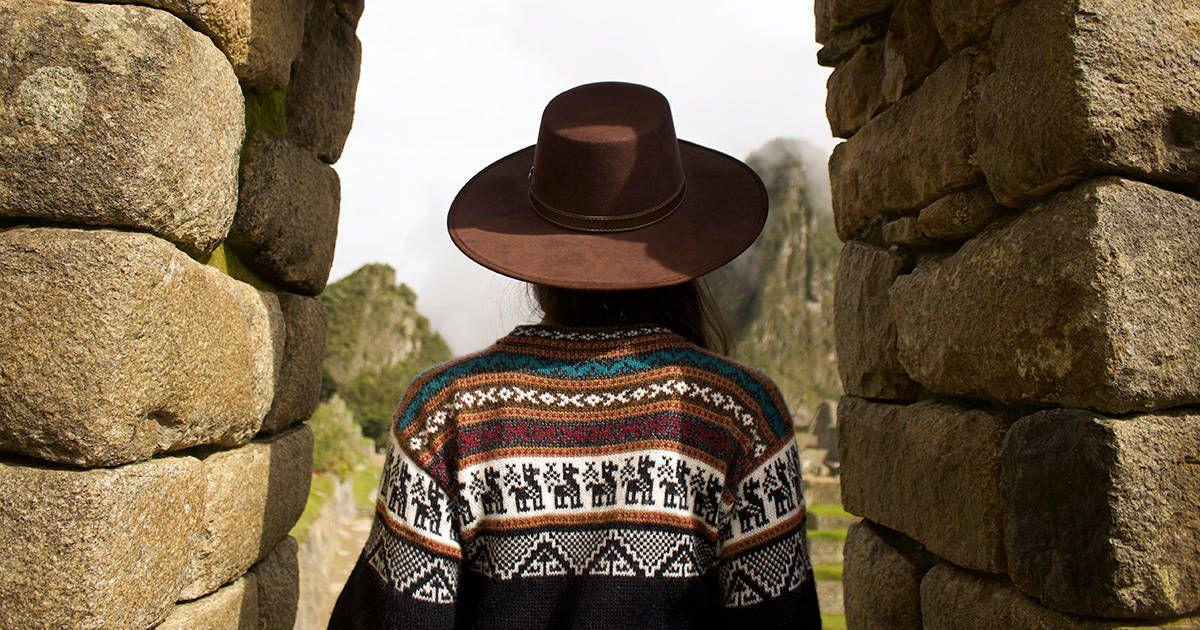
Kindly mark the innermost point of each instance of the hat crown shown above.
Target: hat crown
(606, 157)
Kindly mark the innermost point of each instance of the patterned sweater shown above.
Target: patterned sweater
(615, 477)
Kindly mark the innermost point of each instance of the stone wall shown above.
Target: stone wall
(167, 216)
(1017, 309)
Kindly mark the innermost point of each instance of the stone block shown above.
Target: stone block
(854, 91)
(278, 580)
(843, 44)
(117, 116)
(912, 49)
(287, 218)
(1090, 87)
(261, 38)
(1086, 300)
(836, 15)
(962, 22)
(232, 607)
(916, 151)
(958, 215)
(866, 334)
(882, 584)
(1102, 514)
(125, 347)
(253, 496)
(930, 470)
(955, 217)
(351, 10)
(320, 102)
(298, 388)
(102, 548)
(905, 232)
(952, 598)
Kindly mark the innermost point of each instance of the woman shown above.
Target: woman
(606, 468)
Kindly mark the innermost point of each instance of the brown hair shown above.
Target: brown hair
(687, 309)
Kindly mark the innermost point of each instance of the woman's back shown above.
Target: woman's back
(587, 477)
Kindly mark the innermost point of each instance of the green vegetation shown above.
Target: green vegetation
(827, 509)
(365, 480)
(339, 447)
(831, 572)
(318, 493)
(226, 261)
(374, 396)
(377, 342)
(833, 622)
(827, 534)
(777, 297)
(267, 112)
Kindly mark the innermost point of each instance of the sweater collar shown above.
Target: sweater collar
(618, 332)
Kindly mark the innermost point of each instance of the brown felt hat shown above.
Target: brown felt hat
(608, 198)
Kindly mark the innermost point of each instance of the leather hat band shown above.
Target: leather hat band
(607, 223)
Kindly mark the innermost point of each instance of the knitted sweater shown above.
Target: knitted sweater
(615, 477)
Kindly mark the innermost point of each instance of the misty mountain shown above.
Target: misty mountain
(777, 297)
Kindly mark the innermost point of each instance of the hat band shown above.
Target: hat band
(607, 223)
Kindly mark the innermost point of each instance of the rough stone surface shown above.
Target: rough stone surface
(958, 215)
(286, 223)
(912, 49)
(101, 548)
(351, 10)
(882, 585)
(261, 38)
(836, 15)
(843, 44)
(127, 348)
(961, 22)
(253, 496)
(1086, 300)
(952, 598)
(930, 470)
(1103, 517)
(233, 607)
(917, 150)
(278, 580)
(904, 231)
(298, 388)
(853, 91)
(866, 334)
(117, 116)
(1088, 87)
(320, 103)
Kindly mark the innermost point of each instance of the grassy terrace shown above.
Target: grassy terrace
(827, 509)
(827, 534)
(827, 571)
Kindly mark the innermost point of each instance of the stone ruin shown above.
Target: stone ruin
(1017, 307)
(152, 405)
(1017, 303)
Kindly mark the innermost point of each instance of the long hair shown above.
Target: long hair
(687, 309)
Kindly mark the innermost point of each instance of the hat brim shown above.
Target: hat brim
(723, 211)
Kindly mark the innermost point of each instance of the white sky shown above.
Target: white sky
(448, 87)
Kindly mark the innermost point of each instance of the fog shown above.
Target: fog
(447, 88)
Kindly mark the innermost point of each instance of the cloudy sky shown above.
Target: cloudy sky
(448, 87)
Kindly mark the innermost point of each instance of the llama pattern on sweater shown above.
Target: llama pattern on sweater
(615, 453)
